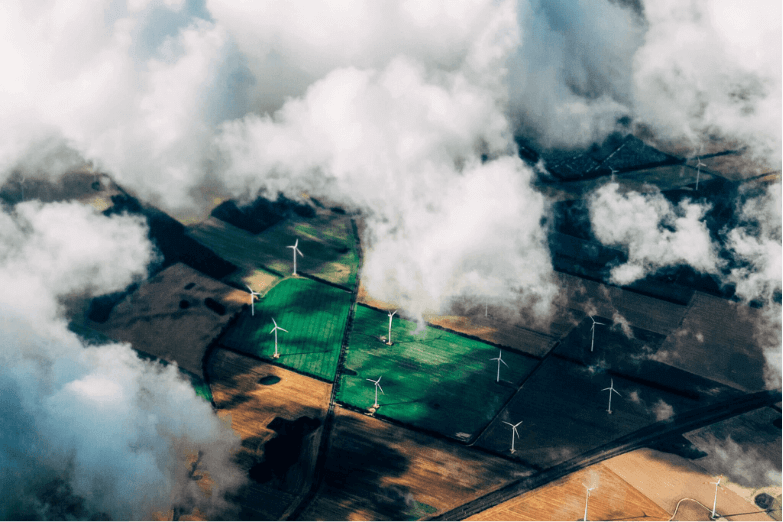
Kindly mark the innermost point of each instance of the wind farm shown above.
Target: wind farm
(247, 252)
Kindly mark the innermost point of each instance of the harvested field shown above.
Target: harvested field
(716, 340)
(156, 320)
(565, 412)
(666, 479)
(432, 379)
(327, 241)
(269, 408)
(378, 471)
(612, 499)
(314, 314)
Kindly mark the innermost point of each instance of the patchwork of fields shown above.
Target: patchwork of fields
(314, 314)
(433, 379)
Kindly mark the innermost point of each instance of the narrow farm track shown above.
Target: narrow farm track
(296, 511)
(646, 436)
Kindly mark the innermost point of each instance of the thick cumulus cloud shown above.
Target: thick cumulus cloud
(85, 81)
(712, 68)
(406, 146)
(571, 78)
(655, 232)
(90, 431)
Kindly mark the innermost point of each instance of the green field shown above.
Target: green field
(432, 379)
(314, 315)
(327, 242)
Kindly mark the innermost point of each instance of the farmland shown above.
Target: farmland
(432, 379)
(327, 242)
(378, 471)
(611, 499)
(278, 415)
(651, 391)
(314, 314)
(174, 316)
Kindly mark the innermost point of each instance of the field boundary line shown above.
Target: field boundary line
(472, 337)
(323, 281)
(513, 395)
(294, 512)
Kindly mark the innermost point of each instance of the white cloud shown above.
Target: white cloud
(712, 67)
(107, 430)
(655, 232)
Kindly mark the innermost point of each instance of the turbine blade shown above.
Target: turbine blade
(370, 380)
(299, 252)
(273, 330)
(286, 331)
(518, 423)
(296, 243)
(606, 389)
(504, 362)
(504, 422)
(379, 387)
(273, 320)
(251, 290)
(617, 392)
(379, 378)
(600, 323)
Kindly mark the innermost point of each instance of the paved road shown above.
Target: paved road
(644, 437)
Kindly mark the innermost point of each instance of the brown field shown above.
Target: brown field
(612, 499)
(152, 320)
(666, 479)
(252, 408)
(716, 341)
(378, 471)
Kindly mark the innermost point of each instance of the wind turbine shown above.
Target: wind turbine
(377, 387)
(614, 171)
(715, 502)
(253, 296)
(699, 165)
(391, 314)
(499, 359)
(296, 251)
(611, 389)
(514, 433)
(587, 499)
(274, 330)
(592, 332)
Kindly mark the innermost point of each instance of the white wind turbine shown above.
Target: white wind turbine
(499, 359)
(715, 502)
(614, 171)
(611, 389)
(253, 296)
(377, 387)
(296, 250)
(514, 433)
(274, 330)
(592, 332)
(391, 314)
(587, 499)
(699, 165)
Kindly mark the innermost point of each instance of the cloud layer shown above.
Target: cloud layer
(92, 431)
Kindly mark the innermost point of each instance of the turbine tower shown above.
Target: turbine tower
(253, 296)
(499, 359)
(592, 332)
(611, 389)
(514, 433)
(296, 250)
(699, 165)
(587, 499)
(614, 171)
(391, 314)
(377, 387)
(274, 330)
(715, 502)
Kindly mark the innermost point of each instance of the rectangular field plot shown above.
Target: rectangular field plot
(314, 315)
(565, 412)
(378, 471)
(432, 379)
(327, 242)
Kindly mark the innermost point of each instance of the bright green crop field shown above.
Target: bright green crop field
(432, 379)
(314, 314)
